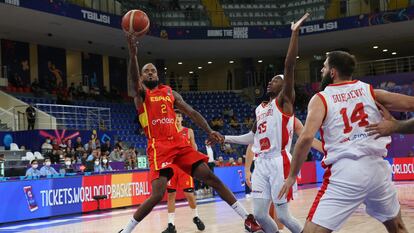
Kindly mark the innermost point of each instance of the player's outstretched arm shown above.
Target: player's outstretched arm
(390, 125)
(196, 117)
(287, 95)
(137, 89)
(395, 102)
(244, 139)
(314, 120)
(316, 144)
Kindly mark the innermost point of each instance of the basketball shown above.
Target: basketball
(135, 22)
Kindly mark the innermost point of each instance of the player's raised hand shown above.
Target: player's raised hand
(384, 128)
(296, 26)
(132, 42)
(284, 191)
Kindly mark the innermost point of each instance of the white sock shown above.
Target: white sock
(171, 218)
(195, 212)
(240, 210)
(130, 226)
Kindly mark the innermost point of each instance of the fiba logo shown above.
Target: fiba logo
(163, 121)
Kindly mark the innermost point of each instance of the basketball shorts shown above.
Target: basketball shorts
(175, 153)
(349, 183)
(180, 180)
(268, 178)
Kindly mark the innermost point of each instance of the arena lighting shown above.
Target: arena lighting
(200, 67)
(375, 47)
(210, 62)
(394, 53)
(180, 63)
(385, 50)
(191, 72)
(260, 61)
(165, 68)
(297, 57)
(231, 62)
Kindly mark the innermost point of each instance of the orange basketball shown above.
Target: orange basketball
(135, 22)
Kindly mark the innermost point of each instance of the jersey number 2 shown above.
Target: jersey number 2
(163, 108)
(358, 115)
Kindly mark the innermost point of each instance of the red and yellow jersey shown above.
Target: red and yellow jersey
(186, 135)
(156, 114)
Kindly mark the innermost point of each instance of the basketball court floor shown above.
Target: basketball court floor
(218, 217)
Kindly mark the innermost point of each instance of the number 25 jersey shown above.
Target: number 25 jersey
(350, 107)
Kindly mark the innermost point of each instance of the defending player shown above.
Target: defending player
(356, 172)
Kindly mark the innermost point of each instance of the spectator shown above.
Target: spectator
(63, 145)
(84, 158)
(228, 112)
(78, 153)
(67, 167)
(105, 164)
(97, 166)
(106, 146)
(31, 117)
(97, 144)
(130, 158)
(226, 148)
(78, 142)
(55, 144)
(116, 155)
(55, 156)
(22, 148)
(239, 161)
(47, 170)
(234, 123)
(248, 122)
(46, 147)
(90, 146)
(231, 162)
(94, 155)
(220, 162)
(33, 171)
(72, 90)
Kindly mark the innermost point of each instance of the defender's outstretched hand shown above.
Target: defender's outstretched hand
(296, 26)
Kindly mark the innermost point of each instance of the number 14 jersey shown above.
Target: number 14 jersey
(274, 130)
(350, 107)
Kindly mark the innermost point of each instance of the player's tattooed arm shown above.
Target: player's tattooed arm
(136, 88)
(287, 95)
(196, 117)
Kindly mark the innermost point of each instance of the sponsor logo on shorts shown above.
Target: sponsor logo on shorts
(256, 191)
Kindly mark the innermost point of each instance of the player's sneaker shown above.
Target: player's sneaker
(170, 229)
(251, 225)
(200, 225)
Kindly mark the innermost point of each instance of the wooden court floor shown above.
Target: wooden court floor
(219, 218)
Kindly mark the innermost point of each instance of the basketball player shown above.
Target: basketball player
(355, 171)
(271, 137)
(182, 180)
(166, 148)
(390, 126)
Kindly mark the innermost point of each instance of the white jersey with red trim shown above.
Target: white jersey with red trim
(350, 107)
(274, 130)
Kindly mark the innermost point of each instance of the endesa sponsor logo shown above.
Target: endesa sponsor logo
(163, 121)
(403, 168)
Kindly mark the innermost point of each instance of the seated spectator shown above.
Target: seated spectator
(97, 144)
(47, 170)
(55, 157)
(67, 167)
(226, 148)
(55, 144)
(116, 155)
(63, 145)
(239, 161)
(46, 147)
(228, 112)
(234, 123)
(97, 166)
(78, 142)
(33, 171)
(90, 146)
(220, 162)
(78, 153)
(106, 146)
(105, 164)
(231, 162)
(130, 158)
(248, 122)
(94, 155)
(22, 148)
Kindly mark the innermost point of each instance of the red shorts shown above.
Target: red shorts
(172, 154)
(180, 180)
